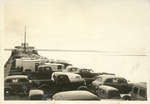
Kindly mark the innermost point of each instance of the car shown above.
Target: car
(112, 80)
(86, 73)
(61, 81)
(68, 81)
(36, 94)
(139, 91)
(17, 84)
(75, 95)
(42, 75)
(108, 92)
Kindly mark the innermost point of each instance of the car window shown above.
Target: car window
(109, 81)
(84, 71)
(74, 76)
(40, 69)
(115, 80)
(135, 90)
(8, 80)
(44, 69)
(91, 71)
(122, 81)
(142, 92)
(73, 69)
(62, 79)
(59, 67)
(47, 69)
(22, 80)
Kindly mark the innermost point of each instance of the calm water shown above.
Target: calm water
(134, 68)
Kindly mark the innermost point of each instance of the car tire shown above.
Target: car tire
(82, 88)
(44, 87)
(126, 98)
(98, 92)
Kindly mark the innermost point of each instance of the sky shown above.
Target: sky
(105, 25)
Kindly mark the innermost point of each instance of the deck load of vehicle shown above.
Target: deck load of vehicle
(112, 80)
(75, 95)
(17, 84)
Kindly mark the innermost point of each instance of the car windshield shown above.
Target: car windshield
(87, 70)
(44, 69)
(8, 81)
(12, 80)
(16, 80)
(73, 69)
(116, 80)
(74, 77)
(22, 80)
(122, 81)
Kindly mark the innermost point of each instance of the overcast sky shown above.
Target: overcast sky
(111, 25)
(79, 24)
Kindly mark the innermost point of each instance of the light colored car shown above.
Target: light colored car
(68, 81)
(74, 95)
(36, 94)
(17, 84)
(112, 80)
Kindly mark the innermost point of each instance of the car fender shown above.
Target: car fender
(126, 96)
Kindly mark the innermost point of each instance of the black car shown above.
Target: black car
(17, 84)
(112, 80)
(68, 81)
(139, 91)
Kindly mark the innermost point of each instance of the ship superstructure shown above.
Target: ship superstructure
(21, 54)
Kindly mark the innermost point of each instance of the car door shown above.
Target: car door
(109, 82)
(24, 84)
(134, 93)
(102, 93)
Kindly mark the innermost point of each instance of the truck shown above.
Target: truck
(42, 74)
(27, 64)
(60, 81)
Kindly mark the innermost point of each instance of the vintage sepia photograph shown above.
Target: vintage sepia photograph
(75, 50)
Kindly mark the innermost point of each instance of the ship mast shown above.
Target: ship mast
(25, 40)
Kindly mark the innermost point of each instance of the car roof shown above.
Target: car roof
(49, 64)
(140, 84)
(109, 76)
(75, 95)
(72, 67)
(36, 92)
(65, 73)
(85, 69)
(107, 88)
(16, 76)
